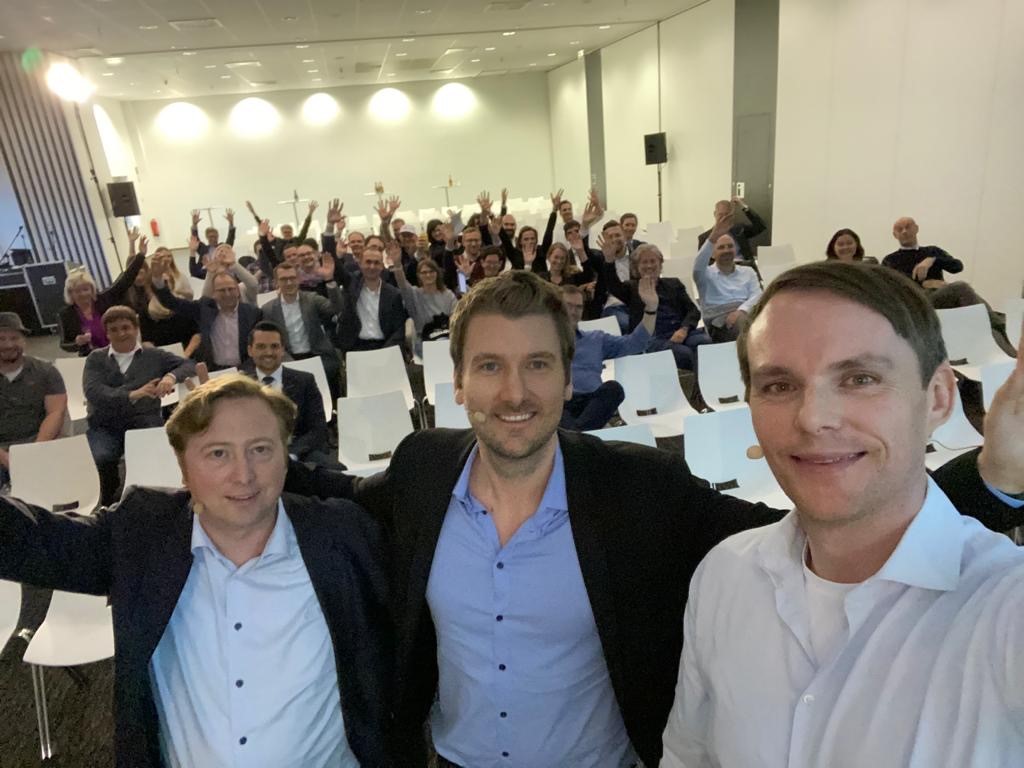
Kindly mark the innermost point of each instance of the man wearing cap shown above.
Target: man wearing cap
(32, 394)
(408, 239)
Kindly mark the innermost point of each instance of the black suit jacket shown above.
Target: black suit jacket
(641, 525)
(671, 292)
(203, 312)
(139, 553)
(68, 320)
(310, 431)
(391, 313)
(742, 234)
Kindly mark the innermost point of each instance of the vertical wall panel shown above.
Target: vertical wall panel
(37, 148)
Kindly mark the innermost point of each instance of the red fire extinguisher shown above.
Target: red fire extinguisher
(154, 227)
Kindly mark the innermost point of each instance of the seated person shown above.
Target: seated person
(266, 353)
(727, 290)
(123, 385)
(373, 315)
(159, 326)
(81, 320)
(741, 233)
(430, 303)
(33, 399)
(925, 264)
(845, 246)
(198, 255)
(617, 252)
(677, 316)
(222, 261)
(593, 401)
(961, 294)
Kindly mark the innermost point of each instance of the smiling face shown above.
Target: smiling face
(839, 408)
(123, 334)
(508, 223)
(266, 350)
(513, 383)
(356, 243)
(491, 264)
(648, 264)
(725, 254)
(226, 293)
(845, 248)
(235, 469)
(287, 281)
(628, 224)
(556, 258)
(472, 241)
(371, 265)
(528, 239)
(12, 348)
(565, 210)
(905, 230)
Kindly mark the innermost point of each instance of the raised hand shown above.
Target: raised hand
(248, 205)
(264, 228)
(465, 265)
(591, 213)
(313, 205)
(229, 214)
(225, 255)
(556, 199)
(143, 245)
(647, 288)
(448, 233)
(504, 196)
(133, 235)
(454, 213)
(494, 225)
(1001, 461)
(325, 269)
(723, 223)
(196, 218)
(484, 201)
(394, 203)
(607, 249)
(393, 255)
(382, 210)
(334, 211)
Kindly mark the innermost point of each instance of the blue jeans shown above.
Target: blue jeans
(107, 446)
(685, 353)
(591, 410)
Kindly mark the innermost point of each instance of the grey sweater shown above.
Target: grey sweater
(107, 389)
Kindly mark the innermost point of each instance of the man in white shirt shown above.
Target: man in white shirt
(374, 315)
(727, 289)
(873, 626)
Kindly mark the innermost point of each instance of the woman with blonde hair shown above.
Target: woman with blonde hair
(158, 325)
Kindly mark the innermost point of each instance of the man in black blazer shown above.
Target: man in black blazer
(266, 355)
(639, 522)
(374, 314)
(245, 621)
(224, 321)
(742, 234)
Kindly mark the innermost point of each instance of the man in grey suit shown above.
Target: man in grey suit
(123, 386)
(307, 319)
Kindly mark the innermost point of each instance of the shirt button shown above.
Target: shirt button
(504, 714)
(242, 741)
(239, 683)
(504, 754)
(808, 699)
(501, 667)
(500, 566)
(500, 617)
(238, 626)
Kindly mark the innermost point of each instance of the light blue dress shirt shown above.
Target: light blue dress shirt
(594, 347)
(244, 674)
(523, 679)
(929, 670)
(721, 293)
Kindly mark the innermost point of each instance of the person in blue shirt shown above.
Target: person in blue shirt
(593, 401)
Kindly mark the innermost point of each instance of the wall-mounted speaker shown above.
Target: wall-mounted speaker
(122, 199)
(654, 148)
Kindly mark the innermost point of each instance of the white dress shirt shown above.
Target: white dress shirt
(275, 376)
(298, 339)
(368, 310)
(124, 359)
(244, 674)
(720, 292)
(929, 669)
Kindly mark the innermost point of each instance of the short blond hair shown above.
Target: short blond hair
(76, 276)
(193, 416)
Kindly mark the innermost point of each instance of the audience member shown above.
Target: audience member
(273, 248)
(923, 263)
(309, 438)
(159, 326)
(617, 258)
(243, 618)
(845, 246)
(81, 324)
(308, 321)
(874, 620)
(561, 270)
(429, 304)
(727, 290)
(123, 385)
(593, 401)
(408, 241)
(492, 261)
(373, 315)
(390, 226)
(742, 234)
(960, 294)
(197, 257)
(33, 399)
(629, 223)
(224, 321)
(472, 242)
(223, 261)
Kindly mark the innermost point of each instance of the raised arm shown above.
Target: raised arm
(313, 205)
(757, 225)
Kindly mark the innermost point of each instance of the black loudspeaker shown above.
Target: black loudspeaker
(122, 199)
(654, 148)
(46, 284)
(20, 256)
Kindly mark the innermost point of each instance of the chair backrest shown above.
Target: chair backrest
(262, 299)
(1014, 318)
(358, 223)
(10, 609)
(681, 269)
(78, 629)
(659, 233)
(183, 390)
(967, 333)
(993, 376)
(426, 214)
(149, 459)
(683, 249)
(957, 432)
(447, 413)
(650, 381)
(641, 434)
(376, 371)
(437, 365)
(607, 324)
(371, 427)
(56, 475)
(315, 366)
(716, 449)
(718, 373)
(71, 370)
(689, 236)
(770, 271)
(776, 254)
(177, 348)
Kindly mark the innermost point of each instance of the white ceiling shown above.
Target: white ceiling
(347, 42)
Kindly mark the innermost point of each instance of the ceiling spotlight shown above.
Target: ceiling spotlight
(317, 79)
(422, 11)
(574, 42)
(489, 48)
(309, 61)
(148, 27)
(507, 34)
(605, 26)
(210, 66)
(108, 74)
(474, 61)
(188, 53)
(312, 71)
(114, 61)
(304, 45)
(288, 18)
(403, 53)
(408, 39)
(533, 63)
(225, 77)
(552, 54)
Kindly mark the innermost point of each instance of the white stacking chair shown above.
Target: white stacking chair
(640, 434)
(78, 629)
(770, 271)
(718, 374)
(782, 255)
(262, 299)
(58, 475)
(957, 433)
(426, 214)
(683, 249)
(409, 217)
(968, 336)
(10, 609)
(315, 366)
(688, 236)
(607, 324)
(653, 394)
(716, 450)
(993, 376)
(149, 459)
(71, 369)
(681, 269)
(539, 204)
(659, 233)
(1014, 317)
(447, 413)
(437, 369)
(183, 390)
(369, 430)
(374, 371)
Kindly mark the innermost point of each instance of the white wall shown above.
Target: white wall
(10, 214)
(504, 141)
(567, 96)
(697, 110)
(903, 107)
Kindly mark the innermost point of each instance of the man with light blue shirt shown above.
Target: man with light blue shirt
(594, 401)
(873, 625)
(727, 289)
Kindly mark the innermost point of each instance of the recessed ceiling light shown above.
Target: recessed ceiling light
(408, 39)
(157, 91)
(312, 71)
(188, 53)
(605, 26)
(48, 19)
(108, 74)
(317, 79)
(574, 42)
(489, 48)
(225, 77)
(422, 11)
(309, 61)
(288, 18)
(474, 61)
(304, 45)
(391, 74)
(149, 27)
(131, 83)
(507, 34)
(210, 66)
(114, 60)
(403, 53)
(533, 63)
(552, 54)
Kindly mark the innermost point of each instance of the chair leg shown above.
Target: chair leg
(42, 715)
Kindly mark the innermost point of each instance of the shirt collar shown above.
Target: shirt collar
(112, 353)
(553, 504)
(928, 555)
(275, 375)
(282, 541)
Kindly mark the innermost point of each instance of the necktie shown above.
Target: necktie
(268, 381)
